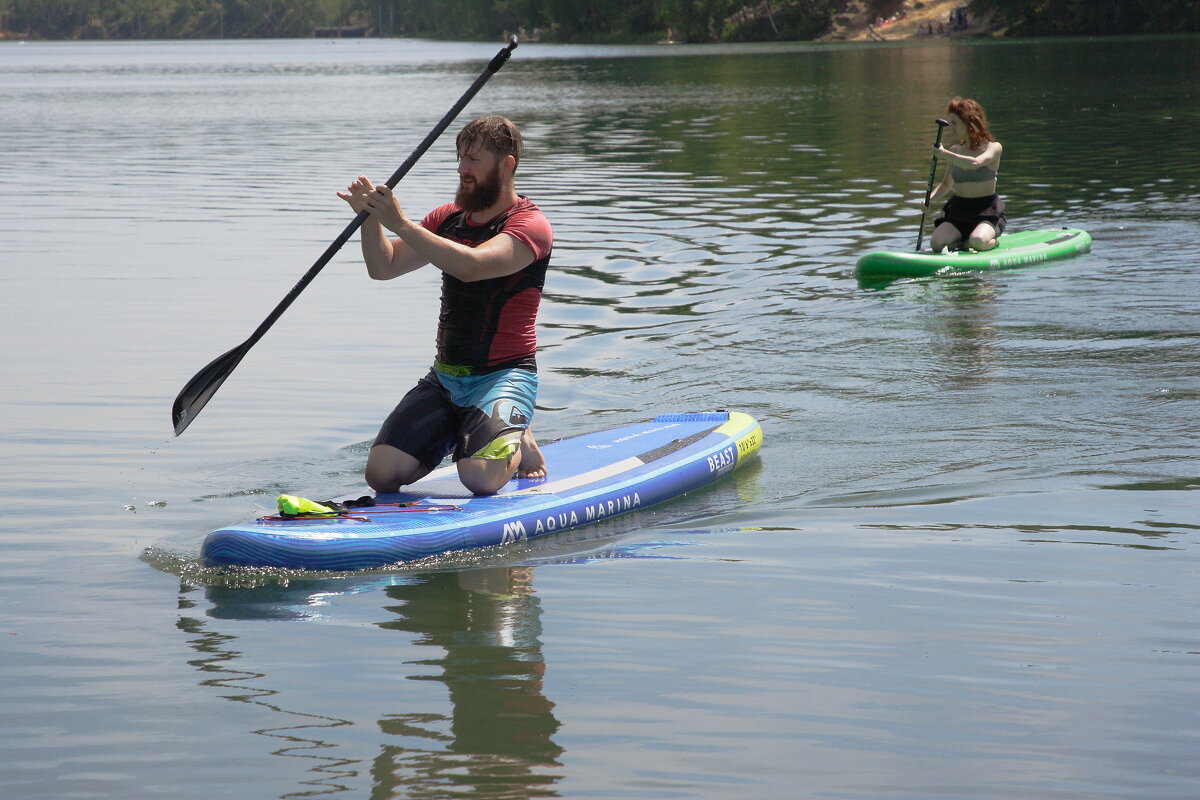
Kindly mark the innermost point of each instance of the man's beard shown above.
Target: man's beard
(482, 195)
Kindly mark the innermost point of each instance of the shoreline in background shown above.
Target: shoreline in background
(929, 19)
(910, 19)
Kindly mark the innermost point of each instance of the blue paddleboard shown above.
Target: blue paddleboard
(593, 477)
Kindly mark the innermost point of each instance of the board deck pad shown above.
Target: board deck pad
(1013, 250)
(592, 477)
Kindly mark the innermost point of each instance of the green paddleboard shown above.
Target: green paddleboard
(1014, 250)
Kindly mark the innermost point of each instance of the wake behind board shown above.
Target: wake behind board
(1013, 250)
(593, 477)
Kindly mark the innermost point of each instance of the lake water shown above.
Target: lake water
(965, 566)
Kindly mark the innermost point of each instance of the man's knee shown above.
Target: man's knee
(388, 468)
(380, 482)
(485, 476)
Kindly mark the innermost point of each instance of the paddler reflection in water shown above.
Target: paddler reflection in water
(975, 213)
(492, 247)
(486, 625)
(477, 631)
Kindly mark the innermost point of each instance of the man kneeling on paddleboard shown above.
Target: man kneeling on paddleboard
(492, 247)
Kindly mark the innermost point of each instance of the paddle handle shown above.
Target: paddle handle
(197, 392)
(942, 124)
(492, 68)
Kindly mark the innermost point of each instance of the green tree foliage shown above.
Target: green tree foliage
(147, 19)
(462, 19)
(600, 19)
(769, 20)
(560, 20)
(1093, 17)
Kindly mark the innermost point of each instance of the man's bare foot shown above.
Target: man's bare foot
(533, 463)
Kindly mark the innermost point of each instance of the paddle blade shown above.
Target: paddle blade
(203, 386)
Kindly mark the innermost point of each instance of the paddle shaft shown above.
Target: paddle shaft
(941, 123)
(193, 397)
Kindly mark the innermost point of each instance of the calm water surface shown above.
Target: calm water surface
(965, 566)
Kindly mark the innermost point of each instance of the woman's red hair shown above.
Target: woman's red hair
(971, 113)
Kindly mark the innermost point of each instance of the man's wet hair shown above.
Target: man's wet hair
(497, 134)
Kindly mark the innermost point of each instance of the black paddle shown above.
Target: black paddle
(941, 123)
(200, 389)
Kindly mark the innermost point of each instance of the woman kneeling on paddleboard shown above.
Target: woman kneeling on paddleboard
(975, 213)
